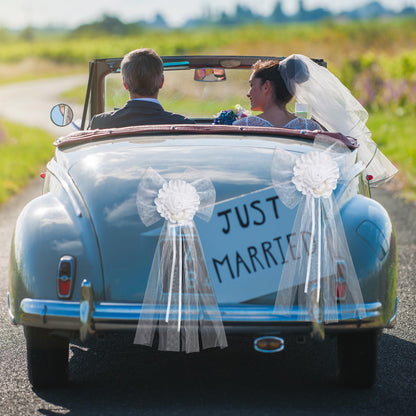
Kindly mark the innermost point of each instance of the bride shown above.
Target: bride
(268, 93)
(332, 107)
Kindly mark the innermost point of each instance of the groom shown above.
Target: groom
(142, 73)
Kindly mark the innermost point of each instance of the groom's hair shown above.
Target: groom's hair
(142, 72)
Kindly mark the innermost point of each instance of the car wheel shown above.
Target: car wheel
(357, 358)
(47, 358)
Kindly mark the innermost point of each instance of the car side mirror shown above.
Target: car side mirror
(210, 74)
(61, 115)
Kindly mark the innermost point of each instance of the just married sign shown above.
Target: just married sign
(247, 242)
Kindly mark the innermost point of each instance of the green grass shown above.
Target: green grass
(395, 135)
(76, 95)
(332, 40)
(33, 67)
(198, 107)
(23, 154)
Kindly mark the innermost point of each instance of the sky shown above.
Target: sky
(17, 14)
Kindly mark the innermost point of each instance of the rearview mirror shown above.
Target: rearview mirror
(61, 115)
(210, 74)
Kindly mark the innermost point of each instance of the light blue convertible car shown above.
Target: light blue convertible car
(91, 255)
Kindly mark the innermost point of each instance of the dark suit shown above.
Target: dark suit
(135, 113)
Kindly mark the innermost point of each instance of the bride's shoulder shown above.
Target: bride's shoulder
(300, 123)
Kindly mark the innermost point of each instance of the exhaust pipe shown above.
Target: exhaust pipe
(269, 344)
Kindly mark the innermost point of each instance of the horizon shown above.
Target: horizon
(22, 13)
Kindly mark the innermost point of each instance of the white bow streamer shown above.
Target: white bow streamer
(308, 285)
(179, 303)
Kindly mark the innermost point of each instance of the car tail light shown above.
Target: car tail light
(65, 276)
(341, 280)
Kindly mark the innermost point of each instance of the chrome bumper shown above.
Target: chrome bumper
(88, 317)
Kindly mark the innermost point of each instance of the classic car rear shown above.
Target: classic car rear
(81, 254)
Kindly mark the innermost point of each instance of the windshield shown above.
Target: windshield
(182, 94)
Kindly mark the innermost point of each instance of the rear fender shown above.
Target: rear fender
(46, 230)
(372, 241)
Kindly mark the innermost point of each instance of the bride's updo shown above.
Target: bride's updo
(295, 71)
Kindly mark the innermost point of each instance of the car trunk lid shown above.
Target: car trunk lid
(247, 240)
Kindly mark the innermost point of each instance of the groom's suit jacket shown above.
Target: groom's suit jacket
(135, 113)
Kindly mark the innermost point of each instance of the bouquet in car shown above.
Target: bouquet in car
(229, 116)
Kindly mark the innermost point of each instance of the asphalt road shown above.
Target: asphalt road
(30, 102)
(113, 377)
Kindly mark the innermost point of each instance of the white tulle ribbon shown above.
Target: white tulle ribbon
(179, 303)
(308, 182)
(315, 174)
(177, 202)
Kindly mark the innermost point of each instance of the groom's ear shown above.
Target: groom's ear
(162, 81)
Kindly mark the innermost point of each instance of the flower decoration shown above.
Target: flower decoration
(229, 116)
(179, 302)
(177, 202)
(307, 183)
(316, 174)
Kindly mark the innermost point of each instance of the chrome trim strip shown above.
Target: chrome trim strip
(13, 319)
(86, 310)
(392, 320)
(107, 316)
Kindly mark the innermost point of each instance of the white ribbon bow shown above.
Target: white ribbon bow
(308, 182)
(178, 283)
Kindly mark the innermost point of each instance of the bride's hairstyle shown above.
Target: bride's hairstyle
(269, 70)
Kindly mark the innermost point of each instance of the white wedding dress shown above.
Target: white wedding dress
(298, 123)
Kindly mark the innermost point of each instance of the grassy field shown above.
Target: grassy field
(347, 47)
(23, 153)
(375, 59)
(396, 137)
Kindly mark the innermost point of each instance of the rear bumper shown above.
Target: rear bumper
(238, 319)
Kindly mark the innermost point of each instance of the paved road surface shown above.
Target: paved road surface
(30, 102)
